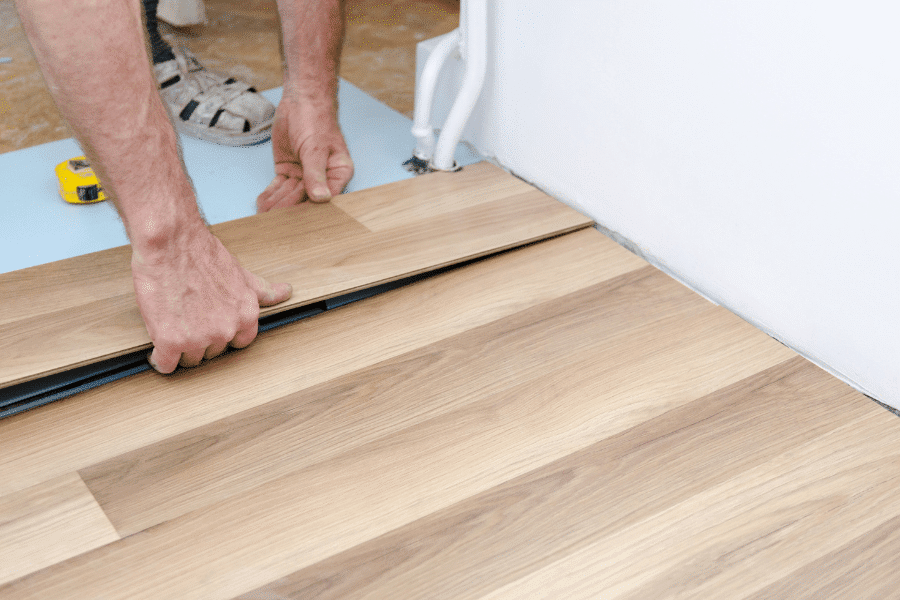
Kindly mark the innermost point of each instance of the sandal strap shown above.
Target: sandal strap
(202, 108)
(205, 99)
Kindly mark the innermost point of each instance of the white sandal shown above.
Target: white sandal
(211, 107)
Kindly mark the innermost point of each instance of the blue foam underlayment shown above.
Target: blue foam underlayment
(37, 227)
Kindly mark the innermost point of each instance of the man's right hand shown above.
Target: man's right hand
(196, 299)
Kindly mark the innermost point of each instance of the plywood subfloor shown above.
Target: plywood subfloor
(559, 421)
(82, 310)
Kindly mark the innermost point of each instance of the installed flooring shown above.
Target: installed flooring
(560, 420)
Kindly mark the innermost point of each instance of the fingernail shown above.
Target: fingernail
(277, 292)
(320, 193)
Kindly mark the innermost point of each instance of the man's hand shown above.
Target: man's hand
(311, 157)
(196, 300)
(194, 296)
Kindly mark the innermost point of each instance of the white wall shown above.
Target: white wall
(750, 148)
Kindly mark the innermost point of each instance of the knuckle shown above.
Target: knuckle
(171, 341)
(193, 342)
(227, 335)
(249, 309)
(247, 325)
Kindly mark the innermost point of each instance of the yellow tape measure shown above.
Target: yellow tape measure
(77, 182)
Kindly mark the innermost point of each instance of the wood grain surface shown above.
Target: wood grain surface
(48, 523)
(82, 310)
(147, 408)
(557, 421)
(493, 538)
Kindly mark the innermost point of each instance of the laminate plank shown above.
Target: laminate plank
(44, 343)
(863, 569)
(299, 519)
(735, 538)
(340, 267)
(491, 539)
(114, 326)
(412, 203)
(81, 281)
(158, 482)
(88, 278)
(103, 423)
(91, 277)
(49, 523)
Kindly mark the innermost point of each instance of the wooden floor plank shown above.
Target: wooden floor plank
(49, 523)
(93, 277)
(343, 266)
(248, 540)
(862, 569)
(120, 417)
(493, 538)
(99, 275)
(732, 539)
(182, 473)
(411, 203)
(38, 340)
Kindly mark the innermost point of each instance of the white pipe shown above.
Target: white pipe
(473, 22)
(422, 129)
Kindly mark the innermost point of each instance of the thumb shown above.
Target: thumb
(269, 294)
(314, 177)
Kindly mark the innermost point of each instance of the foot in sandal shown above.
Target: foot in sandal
(203, 104)
(211, 107)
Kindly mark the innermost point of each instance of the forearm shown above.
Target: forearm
(313, 31)
(95, 63)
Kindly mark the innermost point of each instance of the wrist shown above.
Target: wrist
(310, 95)
(159, 224)
(153, 194)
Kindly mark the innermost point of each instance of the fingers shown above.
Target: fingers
(340, 172)
(167, 356)
(246, 335)
(164, 360)
(268, 294)
(282, 192)
(263, 201)
(291, 193)
(192, 357)
(317, 173)
(214, 350)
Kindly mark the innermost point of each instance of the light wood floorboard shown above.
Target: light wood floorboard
(48, 523)
(734, 538)
(317, 248)
(411, 203)
(863, 569)
(160, 481)
(303, 429)
(496, 537)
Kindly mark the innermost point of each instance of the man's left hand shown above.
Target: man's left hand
(311, 156)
